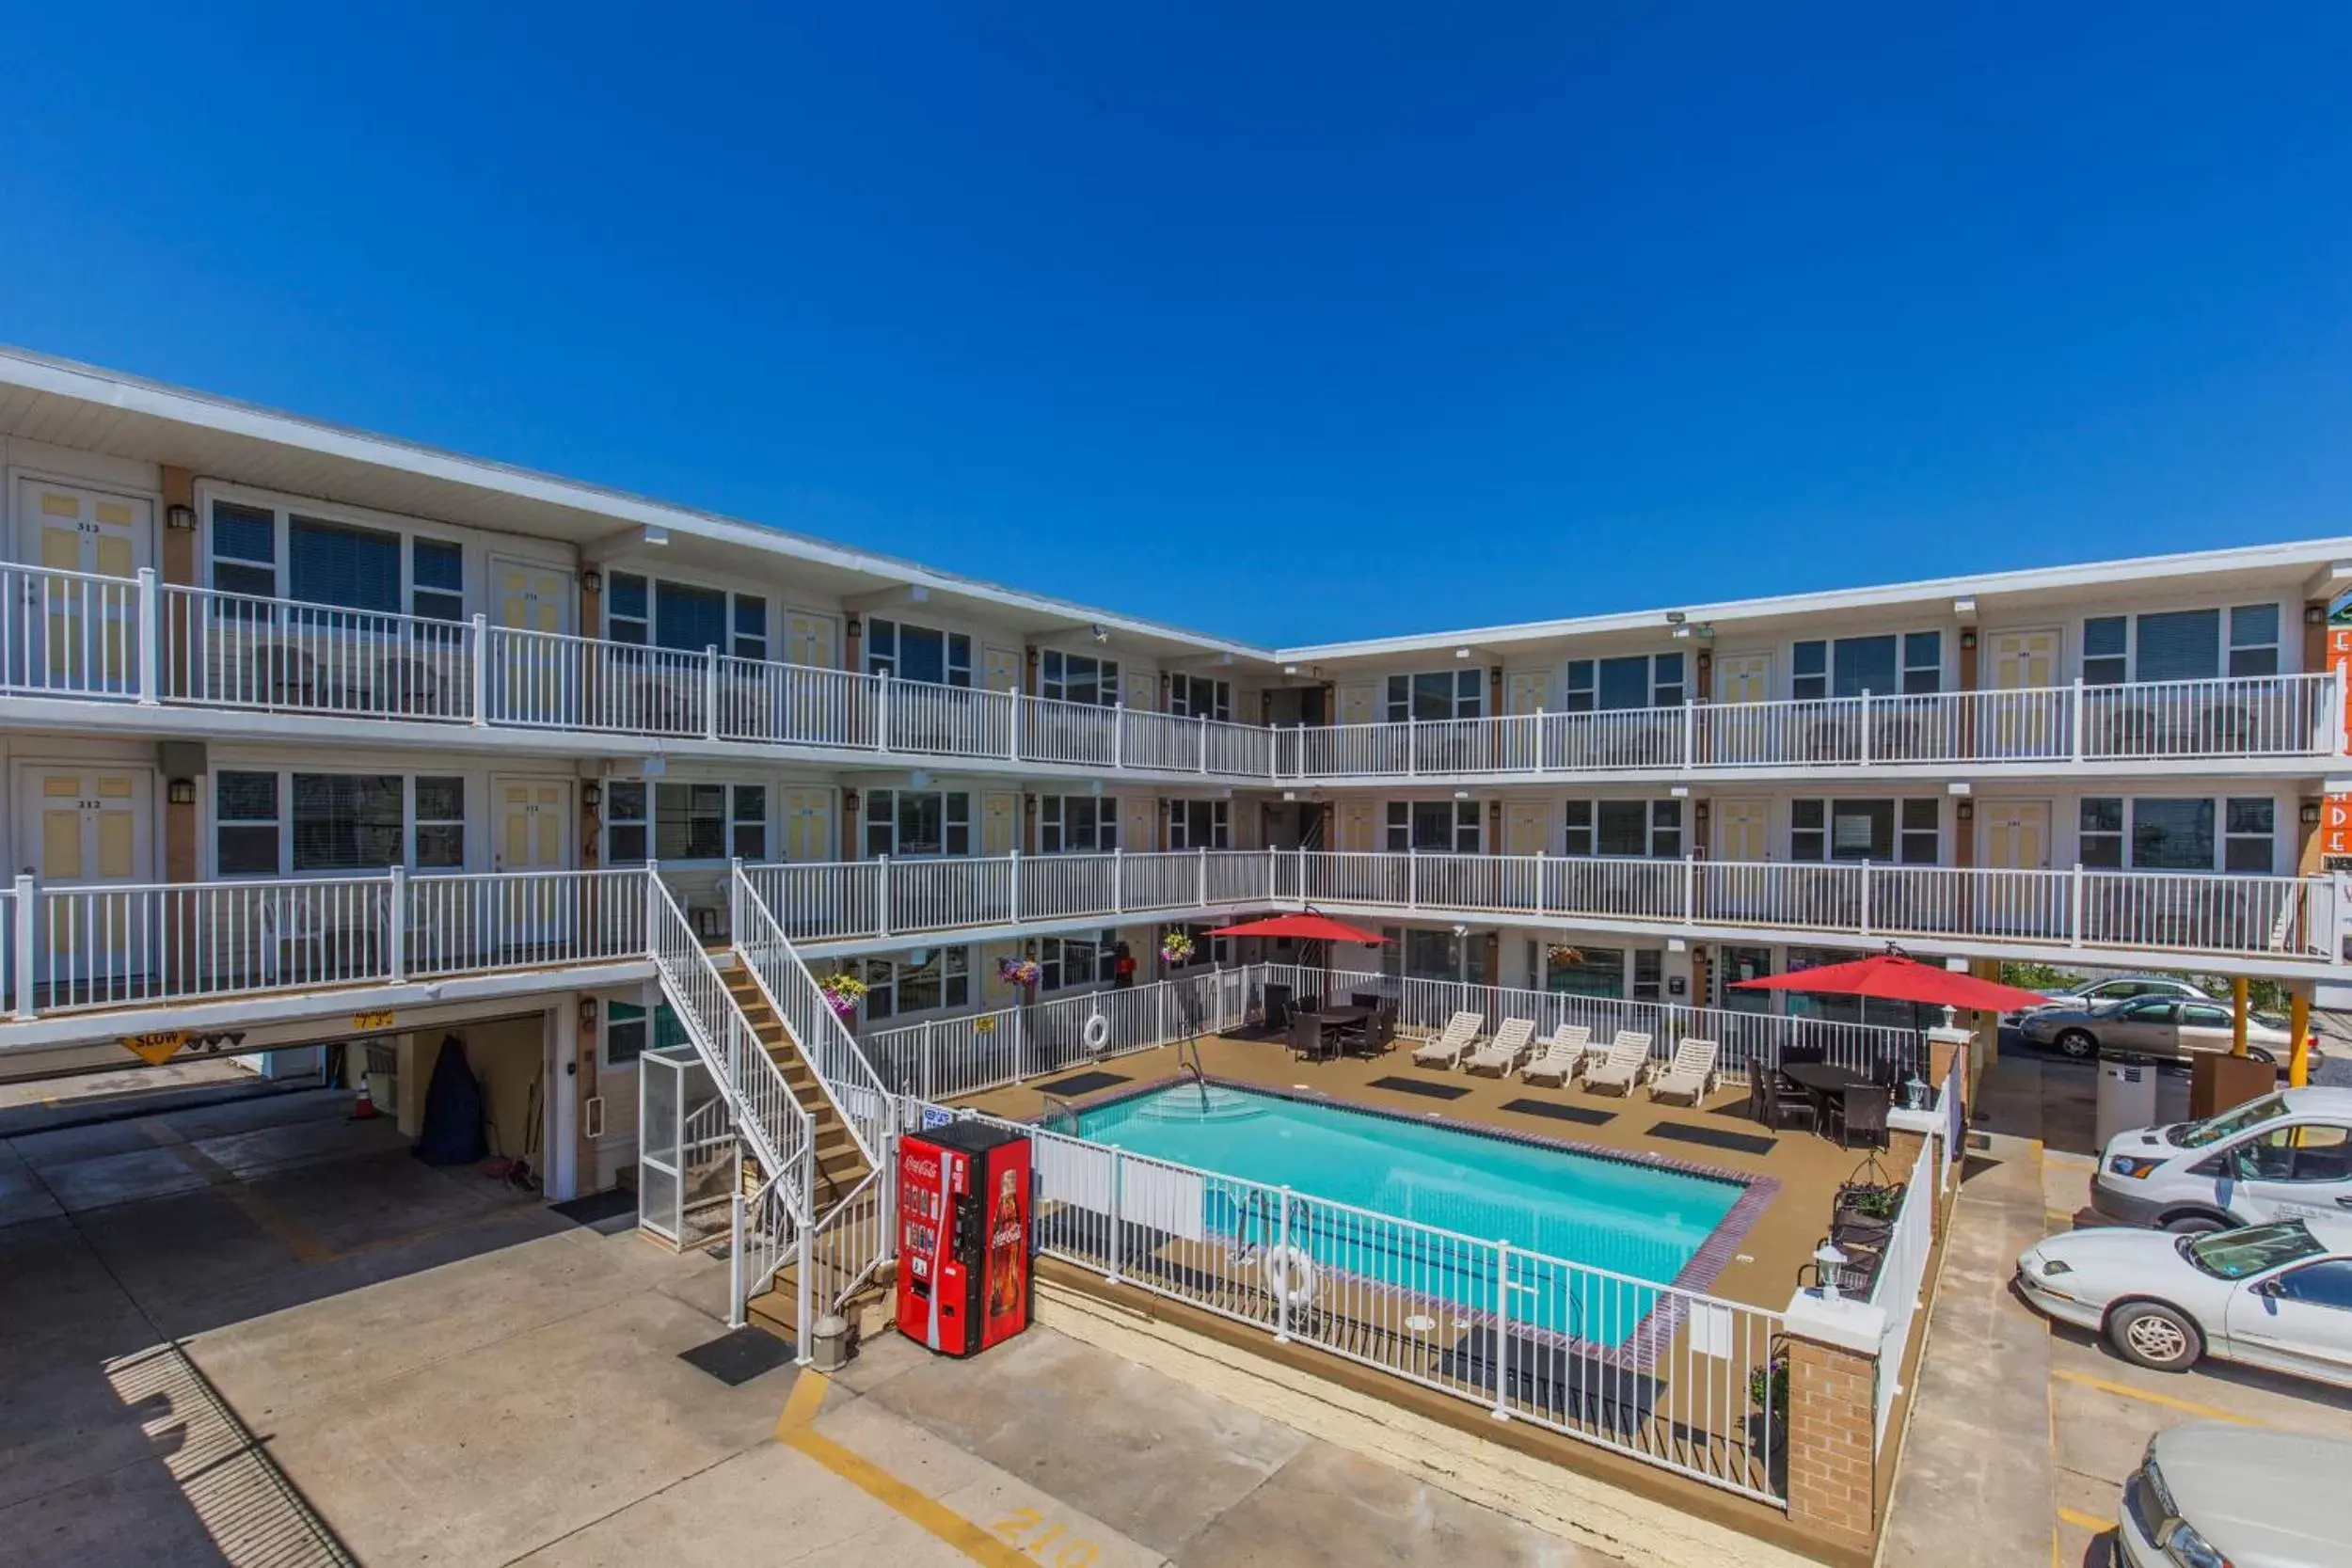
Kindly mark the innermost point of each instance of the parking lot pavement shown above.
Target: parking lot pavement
(2104, 1409)
(262, 1333)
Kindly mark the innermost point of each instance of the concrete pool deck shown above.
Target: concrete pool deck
(1778, 1241)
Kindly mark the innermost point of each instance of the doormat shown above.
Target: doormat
(1557, 1111)
(1084, 1083)
(1421, 1086)
(735, 1358)
(597, 1210)
(1713, 1137)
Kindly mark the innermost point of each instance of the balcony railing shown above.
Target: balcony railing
(87, 949)
(134, 639)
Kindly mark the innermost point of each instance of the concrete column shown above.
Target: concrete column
(1987, 1044)
(567, 1152)
(179, 546)
(2314, 636)
(2300, 1027)
(1832, 1426)
(2237, 1016)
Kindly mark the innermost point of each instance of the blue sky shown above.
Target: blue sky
(1292, 325)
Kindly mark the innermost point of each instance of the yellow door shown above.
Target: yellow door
(2016, 838)
(1143, 691)
(2024, 661)
(532, 597)
(88, 827)
(1738, 830)
(89, 630)
(1000, 824)
(1356, 704)
(1743, 678)
(540, 683)
(1527, 828)
(809, 640)
(532, 816)
(807, 825)
(1001, 669)
(1138, 824)
(1356, 821)
(1527, 691)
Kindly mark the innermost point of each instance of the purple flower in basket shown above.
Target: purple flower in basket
(1018, 972)
(843, 992)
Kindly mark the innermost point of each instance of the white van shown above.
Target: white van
(2284, 1156)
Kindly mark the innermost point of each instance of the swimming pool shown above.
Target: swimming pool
(1624, 1216)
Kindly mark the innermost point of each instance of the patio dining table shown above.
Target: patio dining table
(1824, 1082)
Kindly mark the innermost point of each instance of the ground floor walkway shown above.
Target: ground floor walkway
(255, 1332)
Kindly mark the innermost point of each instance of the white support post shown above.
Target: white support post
(1204, 743)
(27, 908)
(1118, 1172)
(653, 906)
(2074, 901)
(481, 671)
(396, 926)
(1118, 880)
(807, 1269)
(1019, 1042)
(1012, 737)
(736, 1285)
(1412, 877)
(881, 713)
(1159, 1012)
(1865, 898)
(1015, 856)
(1282, 1295)
(882, 897)
(927, 1079)
(1502, 1331)
(1119, 733)
(1690, 727)
(1412, 748)
(1690, 888)
(1203, 901)
(151, 638)
(710, 692)
(1866, 726)
(2075, 723)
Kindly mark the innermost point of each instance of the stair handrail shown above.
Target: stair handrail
(767, 1113)
(867, 1106)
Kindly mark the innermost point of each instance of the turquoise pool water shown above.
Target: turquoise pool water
(1625, 1217)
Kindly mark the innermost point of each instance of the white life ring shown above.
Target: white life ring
(1290, 1275)
(1098, 1033)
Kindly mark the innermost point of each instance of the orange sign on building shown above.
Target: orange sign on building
(2335, 819)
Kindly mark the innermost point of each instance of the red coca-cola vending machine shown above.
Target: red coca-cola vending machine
(964, 1236)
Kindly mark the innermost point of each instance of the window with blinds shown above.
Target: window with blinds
(347, 821)
(333, 563)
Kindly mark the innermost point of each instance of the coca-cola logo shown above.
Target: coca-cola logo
(922, 1169)
(1007, 1234)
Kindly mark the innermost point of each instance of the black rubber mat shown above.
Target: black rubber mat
(1086, 1083)
(1421, 1086)
(738, 1357)
(597, 1208)
(1560, 1111)
(1712, 1137)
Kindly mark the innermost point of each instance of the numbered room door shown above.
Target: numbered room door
(2017, 838)
(2028, 719)
(813, 708)
(1527, 828)
(1138, 824)
(807, 826)
(809, 640)
(90, 833)
(1356, 704)
(1000, 824)
(1001, 669)
(536, 679)
(534, 821)
(79, 632)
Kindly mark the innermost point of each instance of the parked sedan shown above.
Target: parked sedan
(2159, 1025)
(2271, 1296)
(2111, 987)
(2213, 1495)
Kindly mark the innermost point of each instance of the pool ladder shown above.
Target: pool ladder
(1056, 1106)
(1188, 1060)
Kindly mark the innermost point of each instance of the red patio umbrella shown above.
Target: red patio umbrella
(1895, 977)
(1310, 927)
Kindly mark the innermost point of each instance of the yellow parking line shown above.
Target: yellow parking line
(2085, 1521)
(2189, 1407)
(794, 1432)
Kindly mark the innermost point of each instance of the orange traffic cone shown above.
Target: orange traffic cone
(364, 1108)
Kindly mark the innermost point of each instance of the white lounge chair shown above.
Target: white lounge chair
(1691, 1076)
(1446, 1050)
(1503, 1053)
(1561, 1057)
(1617, 1072)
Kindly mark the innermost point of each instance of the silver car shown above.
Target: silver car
(2159, 1025)
(2111, 987)
(2208, 1495)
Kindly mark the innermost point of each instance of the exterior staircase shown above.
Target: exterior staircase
(840, 1163)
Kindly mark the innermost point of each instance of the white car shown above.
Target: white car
(2283, 1156)
(2271, 1296)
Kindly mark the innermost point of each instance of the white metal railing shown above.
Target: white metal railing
(842, 1071)
(1903, 1273)
(76, 634)
(1661, 1374)
(772, 1120)
(855, 1238)
(946, 1057)
(469, 922)
(766, 1229)
(2291, 917)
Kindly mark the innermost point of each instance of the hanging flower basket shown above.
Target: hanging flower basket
(1018, 972)
(1176, 948)
(843, 992)
(1562, 953)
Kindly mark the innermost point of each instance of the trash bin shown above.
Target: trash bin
(2127, 1093)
